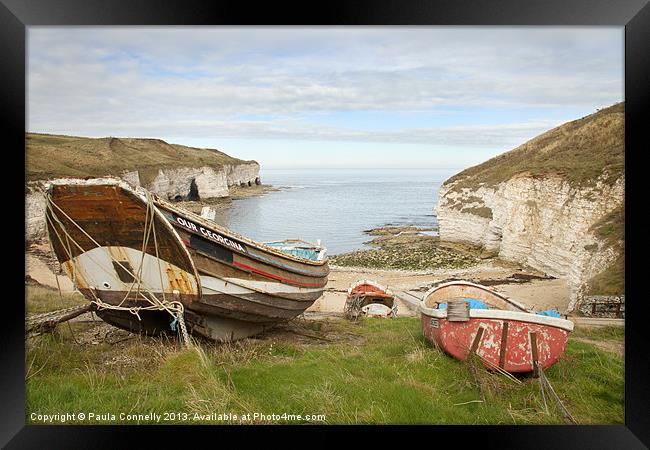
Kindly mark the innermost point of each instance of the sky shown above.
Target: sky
(323, 97)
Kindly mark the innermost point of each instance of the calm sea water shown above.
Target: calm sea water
(336, 205)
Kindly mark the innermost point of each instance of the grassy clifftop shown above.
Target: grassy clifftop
(50, 156)
(579, 151)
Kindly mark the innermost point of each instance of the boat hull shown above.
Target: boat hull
(372, 292)
(506, 336)
(504, 343)
(371, 299)
(230, 286)
(242, 280)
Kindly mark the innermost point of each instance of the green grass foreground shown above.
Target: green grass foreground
(377, 371)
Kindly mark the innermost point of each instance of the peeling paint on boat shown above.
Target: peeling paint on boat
(506, 339)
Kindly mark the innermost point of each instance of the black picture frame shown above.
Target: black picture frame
(634, 15)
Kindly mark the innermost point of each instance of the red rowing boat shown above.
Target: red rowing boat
(371, 299)
(504, 335)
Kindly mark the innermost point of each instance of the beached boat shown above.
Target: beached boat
(139, 258)
(367, 297)
(463, 318)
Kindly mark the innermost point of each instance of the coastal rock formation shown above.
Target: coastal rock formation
(34, 213)
(554, 204)
(132, 177)
(187, 183)
(246, 174)
(192, 183)
(173, 172)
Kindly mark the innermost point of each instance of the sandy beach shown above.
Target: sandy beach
(537, 294)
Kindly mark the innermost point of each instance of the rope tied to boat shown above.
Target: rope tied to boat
(545, 384)
(174, 307)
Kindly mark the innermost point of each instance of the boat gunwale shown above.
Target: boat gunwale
(516, 304)
(502, 314)
(258, 245)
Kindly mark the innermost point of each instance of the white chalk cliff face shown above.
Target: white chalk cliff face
(189, 183)
(201, 182)
(541, 222)
(547, 203)
(35, 214)
(180, 183)
(242, 174)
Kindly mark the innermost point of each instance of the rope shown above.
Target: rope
(541, 385)
(545, 383)
(40, 323)
(184, 333)
(174, 308)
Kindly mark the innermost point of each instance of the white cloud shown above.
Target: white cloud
(207, 81)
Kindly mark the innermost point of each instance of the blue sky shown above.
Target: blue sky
(446, 97)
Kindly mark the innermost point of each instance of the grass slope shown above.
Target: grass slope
(579, 151)
(611, 232)
(50, 156)
(377, 371)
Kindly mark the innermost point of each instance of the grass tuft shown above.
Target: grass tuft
(44, 299)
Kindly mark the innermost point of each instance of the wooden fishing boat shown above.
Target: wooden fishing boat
(368, 297)
(140, 258)
(244, 281)
(501, 331)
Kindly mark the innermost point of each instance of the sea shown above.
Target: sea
(336, 205)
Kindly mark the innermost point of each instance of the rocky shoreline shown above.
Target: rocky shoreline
(407, 248)
(556, 203)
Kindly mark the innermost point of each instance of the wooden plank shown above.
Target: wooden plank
(533, 349)
(504, 345)
(477, 339)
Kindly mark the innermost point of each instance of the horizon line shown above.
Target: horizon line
(362, 168)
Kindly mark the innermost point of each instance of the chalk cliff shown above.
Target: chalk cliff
(174, 172)
(555, 203)
(34, 213)
(245, 174)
